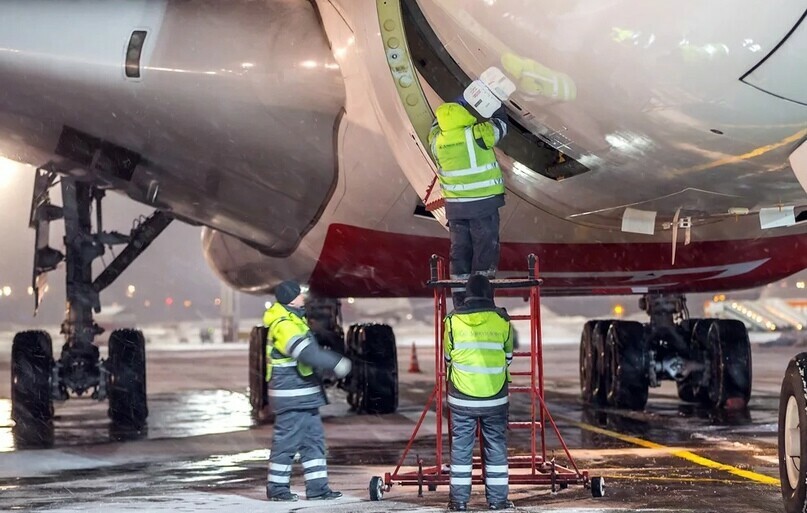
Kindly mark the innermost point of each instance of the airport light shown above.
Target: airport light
(408, 317)
(7, 290)
(351, 300)
(800, 284)
(187, 303)
(619, 311)
(217, 301)
(267, 305)
(147, 303)
(130, 291)
(169, 301)
(30, 291)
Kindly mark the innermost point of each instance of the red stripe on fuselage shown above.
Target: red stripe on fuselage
(361, 262)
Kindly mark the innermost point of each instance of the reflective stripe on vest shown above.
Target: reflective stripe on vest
(295, 392)
(477, 403)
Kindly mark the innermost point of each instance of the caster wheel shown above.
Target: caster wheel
(376, 488)
(432, 487)
(597, 487)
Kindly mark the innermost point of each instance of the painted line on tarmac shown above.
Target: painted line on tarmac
(679, 453)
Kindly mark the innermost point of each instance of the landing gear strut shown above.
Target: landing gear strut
(709, 359)
(39, 380)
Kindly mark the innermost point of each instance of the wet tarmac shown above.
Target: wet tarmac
(204, 452)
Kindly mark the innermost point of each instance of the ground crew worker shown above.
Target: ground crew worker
(295, 395)
(478, 352)
(472, 186)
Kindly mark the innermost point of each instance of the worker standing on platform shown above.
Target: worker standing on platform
(478, 345)
(472, 186)
(296, 394)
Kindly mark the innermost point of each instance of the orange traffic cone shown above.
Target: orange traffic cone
(414, 367)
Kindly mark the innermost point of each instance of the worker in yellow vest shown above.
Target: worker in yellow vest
(472, 185)
(478, 343)
(295, 396)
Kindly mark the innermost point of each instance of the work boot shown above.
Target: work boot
(327, 496)
(282, 497)
(501, 505)
(457, 506)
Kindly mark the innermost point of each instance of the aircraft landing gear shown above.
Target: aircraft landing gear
(710, 359)
(372, 386)
(793, 435)
(38, 380)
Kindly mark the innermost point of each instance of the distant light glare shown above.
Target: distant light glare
(147, 303)
(187, 303)
(169, 301)
(7, 290)
(267, 305)
(800, 284)
(217, 301)
(309, 64)
(351, 300)
(30, 291)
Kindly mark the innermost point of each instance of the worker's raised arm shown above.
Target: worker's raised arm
(488, 133)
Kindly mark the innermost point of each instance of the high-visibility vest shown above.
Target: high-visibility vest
(467, 171)
(478, 348)
(288, 335)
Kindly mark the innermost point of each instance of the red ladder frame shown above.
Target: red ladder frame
(541, 470)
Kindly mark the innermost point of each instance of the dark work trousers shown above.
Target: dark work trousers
(298, 431)
(463, 432)
(474, 249)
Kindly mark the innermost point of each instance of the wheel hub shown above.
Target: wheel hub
(792, 442)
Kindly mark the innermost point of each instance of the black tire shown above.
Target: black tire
(695, 388)
(793, 430)
(31, 402)
(597, 487)
(627, 356)
(602, 378)
(730, 362)
(350, 381)
(258, 389)
(376, 488)
(588, 363)
(379, 373)
(126, 387)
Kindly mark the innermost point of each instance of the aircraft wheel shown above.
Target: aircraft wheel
(600, 376)
(379, 362)
(793, 435)
(730, 362)
(31, 403)
(588, 363)
(629, 383)
(126, 366)
(258, 393)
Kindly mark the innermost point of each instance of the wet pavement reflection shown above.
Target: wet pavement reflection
(83, 421)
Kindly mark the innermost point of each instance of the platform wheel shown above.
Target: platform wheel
(793, 435)
(432, 487)
(376, 488)
(597, 487)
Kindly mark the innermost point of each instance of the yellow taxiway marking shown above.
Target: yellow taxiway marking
(680, 453)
